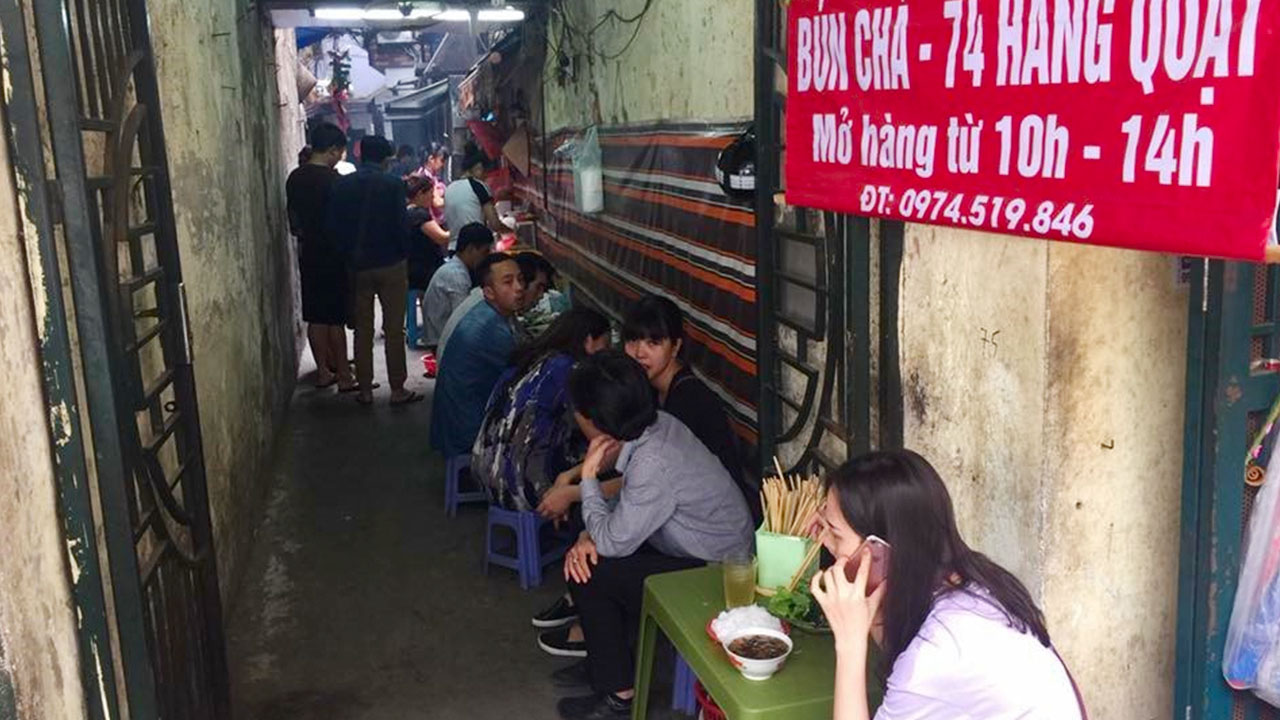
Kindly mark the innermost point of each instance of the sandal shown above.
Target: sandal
(364, 399)
(357, 388)
(410, 397)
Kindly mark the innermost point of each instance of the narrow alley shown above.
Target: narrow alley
(362, 601)
(879, 359)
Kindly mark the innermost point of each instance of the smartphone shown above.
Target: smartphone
(879, 558)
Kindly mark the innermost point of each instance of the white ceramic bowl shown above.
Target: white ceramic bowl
(757, 669)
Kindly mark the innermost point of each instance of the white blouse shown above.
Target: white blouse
(968, 663)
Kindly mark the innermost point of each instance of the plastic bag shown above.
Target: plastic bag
(1251, 660)
(588, 175)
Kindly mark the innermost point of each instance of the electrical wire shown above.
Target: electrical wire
(613, 15)
(634, 33)
(568, 27)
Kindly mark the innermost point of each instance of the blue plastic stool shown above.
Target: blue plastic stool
(529, 559)
(683, 697)
(453, 496)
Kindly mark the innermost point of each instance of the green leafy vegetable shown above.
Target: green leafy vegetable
(797, 607)
(790, 605)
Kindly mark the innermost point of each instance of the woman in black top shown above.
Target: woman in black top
(653, 333)
(427, 243)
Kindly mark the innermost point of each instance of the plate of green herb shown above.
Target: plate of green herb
(798, 608)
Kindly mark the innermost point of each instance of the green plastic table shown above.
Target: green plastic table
(680, 604)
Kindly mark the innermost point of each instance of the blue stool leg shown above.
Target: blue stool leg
(526, 547)
(535, 523)
(450, 488)
(488, 541)
(683, 697)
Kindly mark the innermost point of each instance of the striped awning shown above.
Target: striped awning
(667, 228)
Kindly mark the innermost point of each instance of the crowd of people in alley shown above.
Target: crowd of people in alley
(391, 231)
(628, 453)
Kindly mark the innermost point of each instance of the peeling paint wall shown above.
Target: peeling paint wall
(224, 126)
(291, 120)
(215, 61)
(1116, 361)
(690, 59)
(973, 349)
(37, 624)
(1045, 381)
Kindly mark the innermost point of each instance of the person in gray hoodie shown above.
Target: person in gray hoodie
(678, 509)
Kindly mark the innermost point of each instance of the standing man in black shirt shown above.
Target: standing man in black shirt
(321, 268)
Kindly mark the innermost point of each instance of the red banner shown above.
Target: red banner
(1149, 124)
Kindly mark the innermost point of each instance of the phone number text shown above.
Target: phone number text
(991, 212)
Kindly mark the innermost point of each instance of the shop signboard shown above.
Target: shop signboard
(1149, 124)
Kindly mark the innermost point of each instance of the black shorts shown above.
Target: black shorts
(324, 293)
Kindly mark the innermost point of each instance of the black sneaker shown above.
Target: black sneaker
(561, 613)
(594, 707)
(575, 675)
(557, 642)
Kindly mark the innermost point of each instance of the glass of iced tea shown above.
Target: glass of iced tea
(739, 579)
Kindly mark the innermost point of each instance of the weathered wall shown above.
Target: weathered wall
(973, 374)
(291, 122)
(220, 103)
(690, 60)
(1045, 382)
(37, 625)
(219, 100)
(1116, 361)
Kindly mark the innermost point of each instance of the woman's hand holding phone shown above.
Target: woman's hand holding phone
(850, 611)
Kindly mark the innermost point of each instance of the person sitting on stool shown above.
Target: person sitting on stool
(678, 509)
(479, 352)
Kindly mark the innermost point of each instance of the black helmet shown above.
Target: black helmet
(736, 166)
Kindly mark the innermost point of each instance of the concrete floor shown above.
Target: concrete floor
(362, 601)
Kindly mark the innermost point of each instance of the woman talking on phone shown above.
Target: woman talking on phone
(959, 636)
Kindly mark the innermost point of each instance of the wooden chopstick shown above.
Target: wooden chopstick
(809, 557)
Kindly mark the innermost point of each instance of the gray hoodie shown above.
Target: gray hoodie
(676, 496)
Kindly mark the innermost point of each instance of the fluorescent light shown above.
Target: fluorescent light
(507, 14)
(384, 14)
(339, 14)
(379, 14)
(452, 16)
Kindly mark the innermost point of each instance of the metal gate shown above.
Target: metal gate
(1234, 330)
(102, 205)
(828, 372)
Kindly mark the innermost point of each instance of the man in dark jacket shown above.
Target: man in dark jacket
(367, 219)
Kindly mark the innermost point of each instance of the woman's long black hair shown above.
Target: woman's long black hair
(567, 334)
(899, 497)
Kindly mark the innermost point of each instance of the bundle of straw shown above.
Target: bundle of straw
(789, 502)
